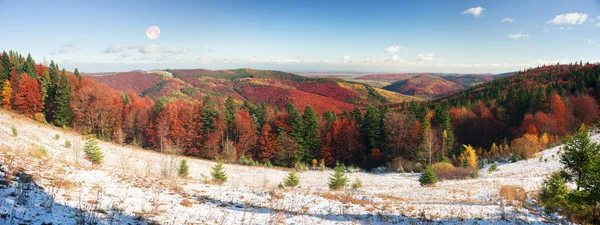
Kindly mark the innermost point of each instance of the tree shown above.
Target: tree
(268, 145)
(6, 67)
(92, 151)
(428, 177)
(63, 113)
(370, 128)
(27, 97)
(525, 146)
(183, 169)
(6, 95)
(288, 150)
(78, 75)
(218, 174)
(311, 134)
(579, 154)
(338, 179)
(245, 131)
(297, 124)
(51, 89)
(292, 180)
(230, 111)
(554, 192)
(469, 157)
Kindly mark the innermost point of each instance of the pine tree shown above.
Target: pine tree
(6, 67)
(292, 180)
(428, 177)
(78, 75)
(338, 179)
(357, 184)
(218, 174)
(579, 153)
(296, 123)
(370, 128)
(6, 95)
(63, 113)
(51, 89)
(183, 169)
(92, 151)
(312, 143)
(229, 111)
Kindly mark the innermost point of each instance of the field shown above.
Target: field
(44, 181)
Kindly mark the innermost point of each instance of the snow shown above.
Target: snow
(129, 189)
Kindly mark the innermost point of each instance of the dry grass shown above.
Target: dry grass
(186, 203)
(513, 193)
(453, 173)
(345, 198)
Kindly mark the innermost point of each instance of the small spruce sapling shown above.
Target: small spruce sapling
(292, 180)
(338, 179)
(218, 174)
(428, 177)
(183, 169)
(92, 151)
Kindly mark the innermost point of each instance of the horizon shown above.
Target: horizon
(467, 37)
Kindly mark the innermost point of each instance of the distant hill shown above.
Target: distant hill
(425, 86)
(257, 86)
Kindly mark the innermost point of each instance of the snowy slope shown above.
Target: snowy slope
(129, 189)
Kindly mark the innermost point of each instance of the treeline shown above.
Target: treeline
(500, 120)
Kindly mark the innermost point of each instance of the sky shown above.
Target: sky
(471, 36)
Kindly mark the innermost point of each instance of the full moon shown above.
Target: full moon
(153, 32)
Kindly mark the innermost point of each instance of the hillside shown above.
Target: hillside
(42, 181)
(425, 86)
(274, 88)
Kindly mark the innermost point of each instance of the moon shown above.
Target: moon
(153, 32)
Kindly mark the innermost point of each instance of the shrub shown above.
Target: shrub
(402, 165)
(428, 177)
(39, 117)
(300, 166)
(39, 153)
(475, 174)
(56, 136)
(292, 180)
(513, 193)
(92, 151)
(67, 143)
(183, 169)
(15, 132)
(357, 184)
(446, 171)
(525, 146)
(493, 168)
(442, 166)
(218, 174)
(338, 179)
(247, 161)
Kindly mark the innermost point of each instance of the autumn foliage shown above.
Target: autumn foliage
(27, 98)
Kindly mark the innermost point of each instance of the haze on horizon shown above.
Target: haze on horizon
(391, 36)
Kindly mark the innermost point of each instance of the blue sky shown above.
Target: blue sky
(360, 36)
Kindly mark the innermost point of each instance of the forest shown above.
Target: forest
(508, 118)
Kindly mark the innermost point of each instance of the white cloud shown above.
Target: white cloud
(569, 18)
(65, 49)
(590, 42)
(125, 55)
(519, 35)
(394, 49)
(151, 48)
(597, 25)
(507, 20)
(346, 58)
(474, 11)
(176, 51)
(114, 48)
(425, 57)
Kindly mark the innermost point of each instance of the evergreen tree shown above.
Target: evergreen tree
(356, 115)
(5, 67)
(311, 134)
(209, 114)
(218, 174)
(63, 113)
(579, 154)
(292, 180)
(183, 169)
(554, 192)
(92, 151)
(428, 177)
(78, 75)
(229, 111)
(338, 179)
(296, 123)
(51, 89)
(370, 128)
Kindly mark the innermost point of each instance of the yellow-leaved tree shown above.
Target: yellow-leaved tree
(469, 157)
(6, 95)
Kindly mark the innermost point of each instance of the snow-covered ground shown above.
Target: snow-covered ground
(129, 189)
